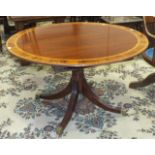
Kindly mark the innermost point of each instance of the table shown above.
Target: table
(77, 46)
(130, 21)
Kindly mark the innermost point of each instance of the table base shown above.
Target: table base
(77, 85)
(147, 81)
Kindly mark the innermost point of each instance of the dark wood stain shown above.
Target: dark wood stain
(72, 43)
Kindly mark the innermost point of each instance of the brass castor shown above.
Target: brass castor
(59, 130)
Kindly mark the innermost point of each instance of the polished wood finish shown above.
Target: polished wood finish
(22, 22)
(77, 44)
(77, 85)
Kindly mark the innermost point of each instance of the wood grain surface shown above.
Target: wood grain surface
(77, 44)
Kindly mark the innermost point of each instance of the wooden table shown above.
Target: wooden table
(77, 46)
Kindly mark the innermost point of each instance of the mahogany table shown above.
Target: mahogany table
(77, 45)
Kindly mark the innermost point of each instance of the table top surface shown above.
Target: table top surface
(77, 44)
(122, 19)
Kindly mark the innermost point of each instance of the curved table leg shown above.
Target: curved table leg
(70, 110)
(147, 81)
(78, 84)
(58, 95)
(95, 100)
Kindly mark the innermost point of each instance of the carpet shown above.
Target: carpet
(24, 117)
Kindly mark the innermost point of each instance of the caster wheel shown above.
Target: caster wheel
(59, 130)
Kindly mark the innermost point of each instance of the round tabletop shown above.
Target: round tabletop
(77, 44)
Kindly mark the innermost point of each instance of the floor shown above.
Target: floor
(22, 116)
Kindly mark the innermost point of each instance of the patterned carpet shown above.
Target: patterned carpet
(22, 116)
